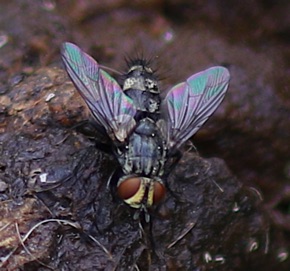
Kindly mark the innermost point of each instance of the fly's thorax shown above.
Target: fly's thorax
(140, 192)
(141, 86)
(145, 151)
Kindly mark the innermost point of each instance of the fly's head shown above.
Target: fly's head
(140, 192)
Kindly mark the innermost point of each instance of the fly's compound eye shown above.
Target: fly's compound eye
(159, 192)
(129, 187)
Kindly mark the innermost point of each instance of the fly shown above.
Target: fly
(146, 131)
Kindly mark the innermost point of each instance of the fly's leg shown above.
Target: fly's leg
(174, 157)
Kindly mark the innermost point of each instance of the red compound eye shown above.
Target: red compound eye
(128, 188)
(159, 192)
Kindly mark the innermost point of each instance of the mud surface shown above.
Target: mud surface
(57, 211)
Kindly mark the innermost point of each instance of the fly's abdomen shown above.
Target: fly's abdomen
(145, 101)
(145, 154)
(141, 86)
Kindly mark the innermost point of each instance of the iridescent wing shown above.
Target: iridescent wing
(110, 107)
(188, 105)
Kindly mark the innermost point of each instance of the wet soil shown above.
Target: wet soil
(57, 211)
